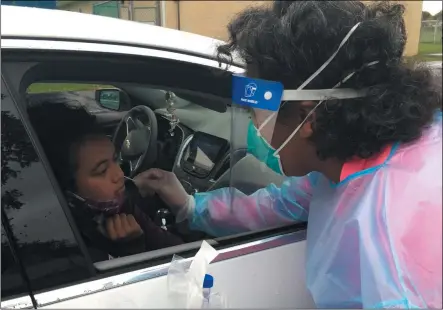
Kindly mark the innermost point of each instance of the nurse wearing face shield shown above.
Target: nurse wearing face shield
(357, 133)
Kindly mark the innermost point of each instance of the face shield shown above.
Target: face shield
(256, 105)
(255, 114)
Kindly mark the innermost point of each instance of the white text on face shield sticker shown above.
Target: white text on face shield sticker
(256, 93)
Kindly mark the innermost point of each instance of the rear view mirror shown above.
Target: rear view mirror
(109, 98)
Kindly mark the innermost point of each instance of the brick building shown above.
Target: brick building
(208, 18)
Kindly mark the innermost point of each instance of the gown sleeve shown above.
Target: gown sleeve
(228, 211)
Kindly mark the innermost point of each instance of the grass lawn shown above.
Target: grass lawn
(425, 49)
(427, 45)
(429, 48)
(60, 87)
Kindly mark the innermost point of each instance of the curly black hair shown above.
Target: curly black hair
(62, 126)
(289, 40)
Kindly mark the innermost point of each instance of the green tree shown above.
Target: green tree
(426, 15)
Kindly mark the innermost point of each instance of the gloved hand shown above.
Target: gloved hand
(170, 190)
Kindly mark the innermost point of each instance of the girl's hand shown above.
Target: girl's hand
(122, 226)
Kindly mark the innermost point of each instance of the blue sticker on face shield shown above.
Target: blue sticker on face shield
(254, 93)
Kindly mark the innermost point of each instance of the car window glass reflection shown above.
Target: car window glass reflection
(44, 238)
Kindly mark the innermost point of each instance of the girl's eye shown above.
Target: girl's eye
(102, 172)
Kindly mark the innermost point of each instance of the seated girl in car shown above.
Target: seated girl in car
(106, 207)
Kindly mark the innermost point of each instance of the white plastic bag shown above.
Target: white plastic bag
(185, 280)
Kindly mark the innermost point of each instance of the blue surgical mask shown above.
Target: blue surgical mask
(262, 150)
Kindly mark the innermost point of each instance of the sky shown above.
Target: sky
(432, 7)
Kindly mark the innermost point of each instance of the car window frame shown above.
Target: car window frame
(245, 244)
(24, 298)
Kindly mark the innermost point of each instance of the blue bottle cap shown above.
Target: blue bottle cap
(208, 282)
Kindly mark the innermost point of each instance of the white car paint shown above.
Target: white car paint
(57, 24)
(261, 277)
(106, 47)
(250, 281)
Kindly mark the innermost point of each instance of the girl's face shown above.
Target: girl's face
(98, 176)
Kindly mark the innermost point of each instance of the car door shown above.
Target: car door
(15, 287)
(262, 269)
(44, 252)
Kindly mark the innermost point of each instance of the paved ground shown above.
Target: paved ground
(435, 64)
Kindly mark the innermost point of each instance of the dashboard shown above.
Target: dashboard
(198, 159)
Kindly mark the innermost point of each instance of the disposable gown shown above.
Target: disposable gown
(374, 240)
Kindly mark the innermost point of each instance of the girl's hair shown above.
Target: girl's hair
(61, 130)
(289, 40)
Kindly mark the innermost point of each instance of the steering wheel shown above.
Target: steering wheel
(135, 139)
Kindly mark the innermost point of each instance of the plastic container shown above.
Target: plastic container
(208, 283)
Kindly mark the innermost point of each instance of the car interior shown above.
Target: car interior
(170, 123)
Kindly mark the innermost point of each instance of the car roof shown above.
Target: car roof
(28, 22)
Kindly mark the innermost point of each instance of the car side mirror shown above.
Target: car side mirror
(110, 98)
